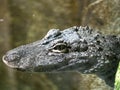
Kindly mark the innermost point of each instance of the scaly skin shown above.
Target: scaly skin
(74, 49)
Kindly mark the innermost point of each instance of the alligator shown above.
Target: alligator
(79, 49)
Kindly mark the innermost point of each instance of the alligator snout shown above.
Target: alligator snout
(10, 58)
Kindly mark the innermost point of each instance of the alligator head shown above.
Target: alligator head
(74, 49)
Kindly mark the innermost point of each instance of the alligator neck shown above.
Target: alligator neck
(109, 75)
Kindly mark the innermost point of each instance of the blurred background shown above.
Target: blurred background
(25, 21)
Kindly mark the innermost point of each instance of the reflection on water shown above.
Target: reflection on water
(22, 22)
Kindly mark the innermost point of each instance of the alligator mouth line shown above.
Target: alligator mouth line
(72, 66)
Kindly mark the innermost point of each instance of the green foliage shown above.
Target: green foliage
(117, 82)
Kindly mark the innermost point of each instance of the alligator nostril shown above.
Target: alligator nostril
(8, 61)
(11, 57)
(5, 58)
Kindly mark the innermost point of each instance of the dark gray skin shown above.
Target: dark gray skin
(74, 49)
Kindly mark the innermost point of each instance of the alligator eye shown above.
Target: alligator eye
(60, 47)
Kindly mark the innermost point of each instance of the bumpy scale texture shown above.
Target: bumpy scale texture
(74, 49)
